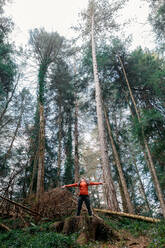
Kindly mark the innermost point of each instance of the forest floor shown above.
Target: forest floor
(132, 234)
(60, 228)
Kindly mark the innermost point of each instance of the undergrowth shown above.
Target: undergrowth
(158, 236)
(154, 231)
(40, 236)
(36, 237)
(135, 227)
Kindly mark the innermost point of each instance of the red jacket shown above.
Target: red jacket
(83, 186)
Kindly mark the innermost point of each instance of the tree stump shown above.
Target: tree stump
(88, 228)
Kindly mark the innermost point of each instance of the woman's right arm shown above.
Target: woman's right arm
(70, 185)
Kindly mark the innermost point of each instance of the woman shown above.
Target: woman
(83, 194)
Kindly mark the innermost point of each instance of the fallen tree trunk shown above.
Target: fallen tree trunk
(133, 216)
(4, 227)
(21, 206)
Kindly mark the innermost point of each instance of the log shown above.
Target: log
(4, 227)
(20, 205)
(133, 216)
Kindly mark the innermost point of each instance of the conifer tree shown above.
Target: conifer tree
(148, 152)
(100, 17)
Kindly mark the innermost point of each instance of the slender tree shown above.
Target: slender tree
(8, 101)
(99, 16)
(118, 165)
(151, 164)
(76, 143)
(60, 127)
(16, 131)
(76, 132)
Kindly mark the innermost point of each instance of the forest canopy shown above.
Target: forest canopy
(92, 107)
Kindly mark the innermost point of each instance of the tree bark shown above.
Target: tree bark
(41, 155)
(123, 199)
(118, 165)
(76, 155)
(76, 135)
(41, 142)
(142, 190)
(151, 164)
(35, 160)
(59, 144)
(109, 189)
(133, 216)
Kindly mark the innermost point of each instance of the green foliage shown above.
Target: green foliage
(61, 107)
(46, 45)
(135, 227)
(68, 166)
(40, 236)
(41, 81)
(7, 69)
(34, 238)
(158, 237)
(145, 72)
(154, 231)
(157, 19)
(7, 64)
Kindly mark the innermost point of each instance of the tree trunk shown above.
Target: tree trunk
(41, 153)
(59, 144)
(146, 159)
(123, 199)
(24, 187)
(7, 103)
(109, 189)
(35, 160)
(15, 133)
(118, 165)
(41, 142)
(76, 136)
(133, 216)
(151, 164)
(88, 229)
(142, 190)
(76, 155)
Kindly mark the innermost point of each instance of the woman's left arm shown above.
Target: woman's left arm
(95, 183)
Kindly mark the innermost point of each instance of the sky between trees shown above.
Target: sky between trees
(59, 16)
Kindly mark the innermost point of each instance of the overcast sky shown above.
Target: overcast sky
(60, 15)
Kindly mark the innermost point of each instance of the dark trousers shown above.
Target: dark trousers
(81, 199)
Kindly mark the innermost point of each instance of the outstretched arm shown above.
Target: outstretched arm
(95, 183)
(70, 185)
